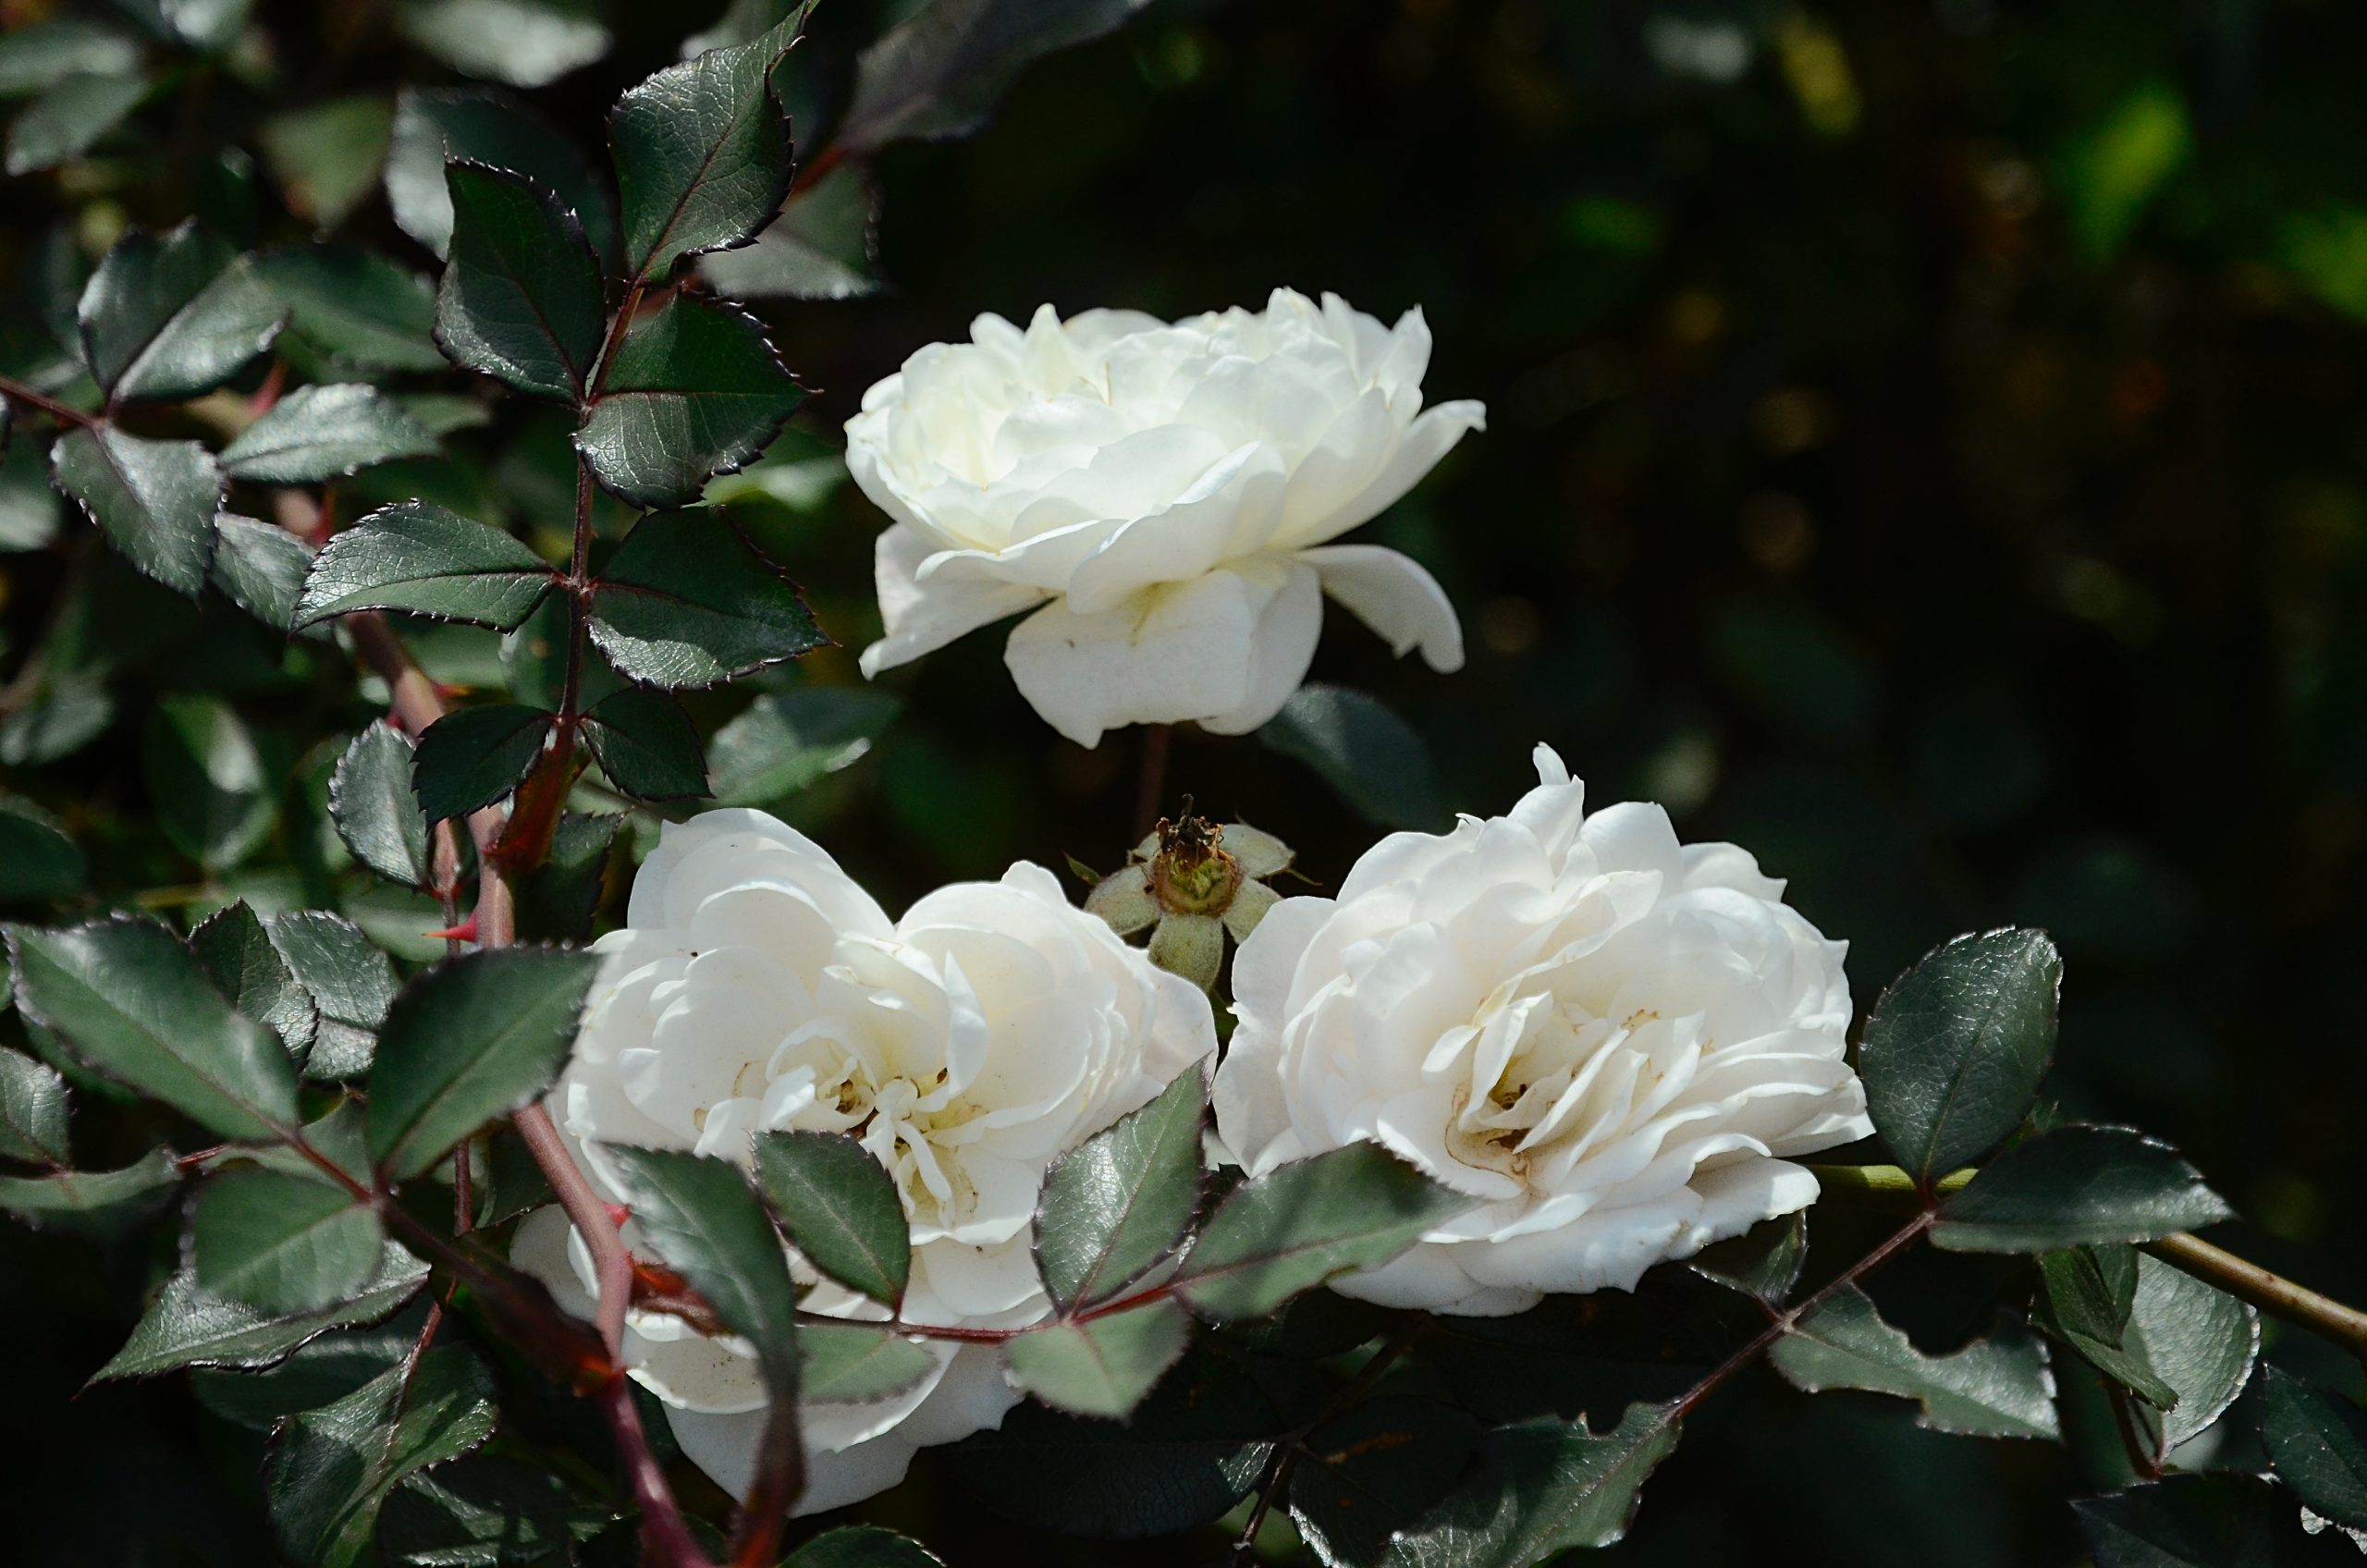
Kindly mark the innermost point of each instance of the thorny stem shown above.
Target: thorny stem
(18, 392)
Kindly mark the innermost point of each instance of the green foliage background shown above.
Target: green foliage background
(1926, 446)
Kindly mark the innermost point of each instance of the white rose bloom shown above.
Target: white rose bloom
(1164, 496)
(1614, 1039)
(756, 987)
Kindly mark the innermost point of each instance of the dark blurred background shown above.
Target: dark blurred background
(1925, 446)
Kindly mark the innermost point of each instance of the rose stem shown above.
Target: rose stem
(1288, 1446)
(18, 392)
(1152, 782)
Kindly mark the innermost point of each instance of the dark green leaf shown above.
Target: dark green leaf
(331, 1469)
(1544, 1487)
(187, 1327)
(1954, 1049)
(1300, 1224)
(473, 1038)
(695, 391)
(1374, 1471)
(212, 791)
(2201, 1341)
(2203, 1520)
(850, 1363)
(325, 157)
(2086, 1295)
(353, 310)
(376, 815)
(68, 120)
(521, 297)
(33, 1104)
(2318, 1443)
(155, 501)
(322, 1371)
(38, 862)
(415, 556)
(1993, 1388)
(821, 248)
(782, 743)
(99, 1201)
(317, 432)
(702, 152)
(238, 953)
(486, 1511)
(1371, 757)
(281, 1244)
(524, 43)
(1102, 1366)
(511, 1182)
(840, 1207)
(1764, 1261)
(174, 317)
(350, 982)
(646, 745)
(481, 126)
(34, 54)
(29, 509)
(704, 1221)
(476, 756)
(938, 73)
(1115, 1205)
(133, 1002)
(555, 901)
(2077, 1186)
(260, 567)
(861, 1546)
(687, 601)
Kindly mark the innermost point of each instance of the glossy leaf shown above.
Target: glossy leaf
(319, 1372)
(1374, 1470)
(281, 1244)
(704, 1221)
(96, 1201)
(783, 742)
(473, 1038)
(476, 756)
(839, 1208)
(69, 118)
(237, 953)
(2079, 1186)
(939, 72)
(2201, 1341)
(260, 567)
(155, 501)
(1116, 1205)
(2085, 1297)
(352, 310)
(1993, 1388)
(2203, 1520)
(482, 125)
(487, 1510)
(702, 152)
(1764, 1262)
(319, 432)
(215, 794)
(38, 862)
(351, 980)
(417, 557)
(2318, 1442)
(375, 812)
(1102, 1366)
(522, 299)
(646, 745)
(33, 1105)
(686, 601)
(852, 1363)
(1544, 1487)
(1370, 756)
(186, 1325)
(175, 316)
(331, 1469)
(522, 43)
(695, 389)
(1300, 1224)
(821, 248)
(131, 1002)
(1954, 1050)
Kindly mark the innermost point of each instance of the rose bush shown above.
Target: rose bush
(1613, 1038)
(1164, 496)
(755, 987)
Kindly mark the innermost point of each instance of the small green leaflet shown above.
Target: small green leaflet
(175, 316)
(473, 757)
(646, 745)
(419, 557)
(839, 1208)
(1102, 1366)
(522, 299)
(695, 389)
(2079, 1186)
(375, 812)
(187, 1327)
(702, 152)
(155, 501)
(320, 432)
(1993, 1388)
(282, 1244)
(1115, 1205)
(686, 601)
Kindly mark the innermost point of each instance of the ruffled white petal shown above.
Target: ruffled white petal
(1392, 593)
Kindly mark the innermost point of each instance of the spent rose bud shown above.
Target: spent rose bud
(1191, 883)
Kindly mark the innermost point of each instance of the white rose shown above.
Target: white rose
(756, 987)
(1613, 1039)
(1165, 494)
